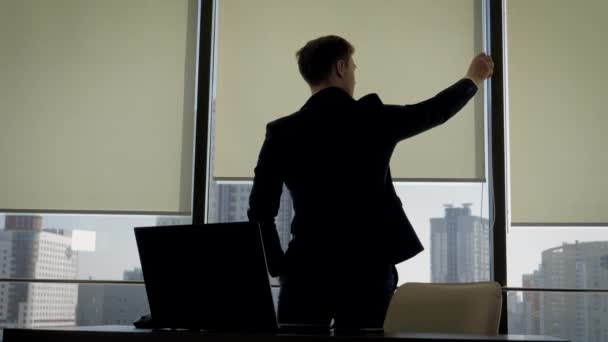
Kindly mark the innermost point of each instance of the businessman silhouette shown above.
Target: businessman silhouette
(349, 228)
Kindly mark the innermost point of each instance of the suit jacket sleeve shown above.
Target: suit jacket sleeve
(264, 200)
(403, 122)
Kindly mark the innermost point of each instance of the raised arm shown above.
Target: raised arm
(264, 201)
(406, 121)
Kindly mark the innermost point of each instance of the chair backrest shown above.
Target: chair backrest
(465, 308)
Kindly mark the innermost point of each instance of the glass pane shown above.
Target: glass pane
(451, 220)
(111, 304)
(579, 317)
(72, 246)
(37, 305)
(228, 202)
(554, 257)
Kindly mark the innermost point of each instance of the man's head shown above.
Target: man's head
(327, 62)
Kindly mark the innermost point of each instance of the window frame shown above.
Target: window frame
(497, 155)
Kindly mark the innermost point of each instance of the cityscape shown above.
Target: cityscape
(460, 251)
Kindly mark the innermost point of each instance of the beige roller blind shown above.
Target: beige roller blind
(406, 51)
(96, 105)
(557, 53)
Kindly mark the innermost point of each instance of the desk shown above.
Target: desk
(130, 334)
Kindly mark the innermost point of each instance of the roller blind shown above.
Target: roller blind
(557, 54)
(96, 105)
(406, 51)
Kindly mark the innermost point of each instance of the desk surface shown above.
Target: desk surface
(131, 334)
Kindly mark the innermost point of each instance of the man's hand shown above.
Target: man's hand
(481, 68)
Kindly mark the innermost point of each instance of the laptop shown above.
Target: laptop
(207, 277)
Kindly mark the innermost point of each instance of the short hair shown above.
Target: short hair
(318, 56)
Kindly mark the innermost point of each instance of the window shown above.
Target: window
(426, 203)
(110, 255)
(99, 77)
(565, 314)
(560, 257)
(449, 213)
(559, 235)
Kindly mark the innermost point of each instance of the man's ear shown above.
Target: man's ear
(340, 68)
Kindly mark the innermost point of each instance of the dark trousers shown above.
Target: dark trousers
(353, 297)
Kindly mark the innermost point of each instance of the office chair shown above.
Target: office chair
(459, 308)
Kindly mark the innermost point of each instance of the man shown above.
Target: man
(349, 228)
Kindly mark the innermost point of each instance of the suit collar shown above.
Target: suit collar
(328, 98)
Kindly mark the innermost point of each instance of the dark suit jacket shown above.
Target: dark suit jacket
(333, 156)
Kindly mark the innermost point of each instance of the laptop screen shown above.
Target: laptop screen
(210, 277)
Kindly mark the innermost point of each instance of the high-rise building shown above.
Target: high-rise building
(133, 275)
(112, 304)
(173, 220)
(579, 317)
(230, 202)
(30, 252)
(533, 303)
(516, 312)
(460, 246)
(6, 266)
